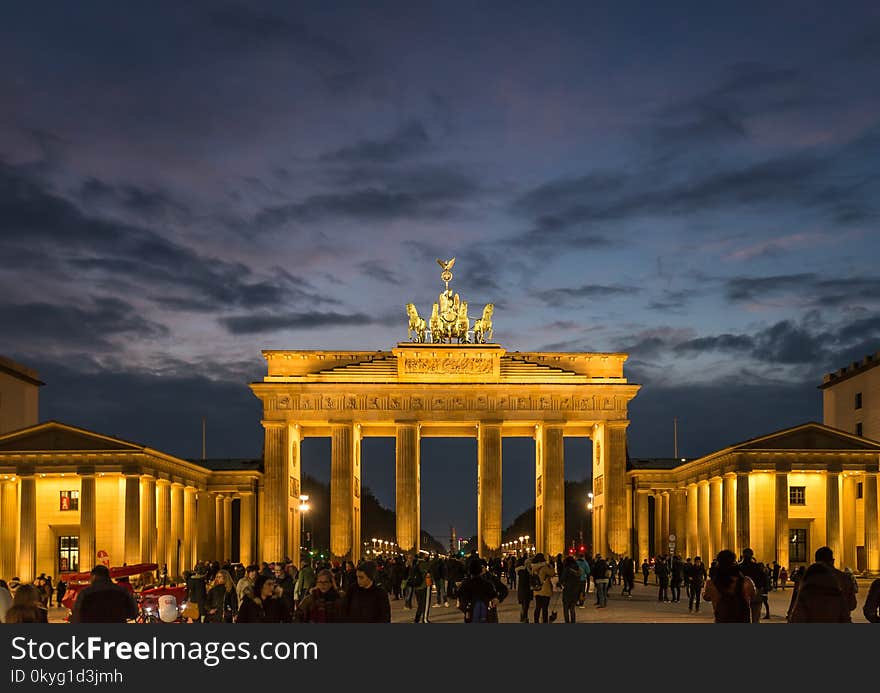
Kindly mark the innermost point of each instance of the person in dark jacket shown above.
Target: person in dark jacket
(825, 555)
(103, 601)
(222, 602)
(871, 609)
(570, 579)
(196, 591)
(323, 604)
(349, 577)
(696, 578)
(523, 589)
(730, 592)
(477, 595)
(265, 605)
(366, 602)
(646, 570)
(661, 572)
(819, 598)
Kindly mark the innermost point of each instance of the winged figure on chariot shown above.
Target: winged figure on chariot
(449, 318)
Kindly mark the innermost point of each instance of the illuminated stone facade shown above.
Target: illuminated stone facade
(123, 502)
(19, 395)
(419, 390)
(851, 397)
(800, 488)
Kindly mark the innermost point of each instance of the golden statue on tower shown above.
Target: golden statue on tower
(449, 317)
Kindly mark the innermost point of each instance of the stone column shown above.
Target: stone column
(728, 513)
(703, 517)
(8, 528)
(616, 522)
(782, 538)
(148, 519)
(680, 497)
(743, 538)
(246, 531)
(163, 522)
(693, 540)
(633, 547)
(190, 522)
(715, 492)
(407, 502)
(553, 483)
(27, 534)
(227, 527)
(659, 539)
(220, 528)
(666, 511)
(872, 545)
(87, 519)
(642, 520)
(343, 493)
(489, 489)
(276, 482)
(205, 511)
(832, 511)
(175, 538)
(848, 536)
(132, 550)
(294, 532)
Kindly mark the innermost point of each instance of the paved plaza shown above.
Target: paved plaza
(642, 607)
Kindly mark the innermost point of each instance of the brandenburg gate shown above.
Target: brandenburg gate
(449, 380)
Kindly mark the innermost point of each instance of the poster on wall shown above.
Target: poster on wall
(103, 558)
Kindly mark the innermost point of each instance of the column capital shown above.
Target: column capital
(274, 424)
(162, 482)
(176, 483)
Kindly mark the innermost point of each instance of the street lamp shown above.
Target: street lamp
(303, 509)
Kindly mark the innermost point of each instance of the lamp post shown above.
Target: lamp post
(303, 509)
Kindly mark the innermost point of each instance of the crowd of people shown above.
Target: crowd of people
(340, 592)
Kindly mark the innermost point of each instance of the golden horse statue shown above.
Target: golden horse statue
(483, 325)
(417, 324)
(462, 324)
(436, 325)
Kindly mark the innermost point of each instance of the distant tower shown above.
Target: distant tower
(452, 545)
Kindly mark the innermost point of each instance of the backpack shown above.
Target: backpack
(535, 581)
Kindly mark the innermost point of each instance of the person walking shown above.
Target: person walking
(646, 569)
(783, 577)
(477, 595)
(572, 588)
(730, 592)
(523, 588)
(366, 602)
(750, 567)
(585, 579)
(264, 604)
(676, 577)
(696, 579)
(222, 599)
(323, 603)
(820, 585)
(103, 601)
(661, 573)
(600, 578)
(627, 570)
(541, 580)
(871, 609)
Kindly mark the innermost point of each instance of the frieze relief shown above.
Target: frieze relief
(448, 365)
(476, 402)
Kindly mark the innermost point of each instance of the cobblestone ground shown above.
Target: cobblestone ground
(642, 607)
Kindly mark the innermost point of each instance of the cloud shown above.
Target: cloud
(105, 251)
(379, 195)
(257, 323)
(577, 295)
(409, 139)
(96, 324)
(809, 288)
(373, 270)
(149, 204)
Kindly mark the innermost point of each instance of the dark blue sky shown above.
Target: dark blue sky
(181, 187)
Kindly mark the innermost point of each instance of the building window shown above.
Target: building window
(858, 400)
(69, 500)
(68, 554)
(859, 428)
(797, 551)
(797, 495)
(859, 490)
